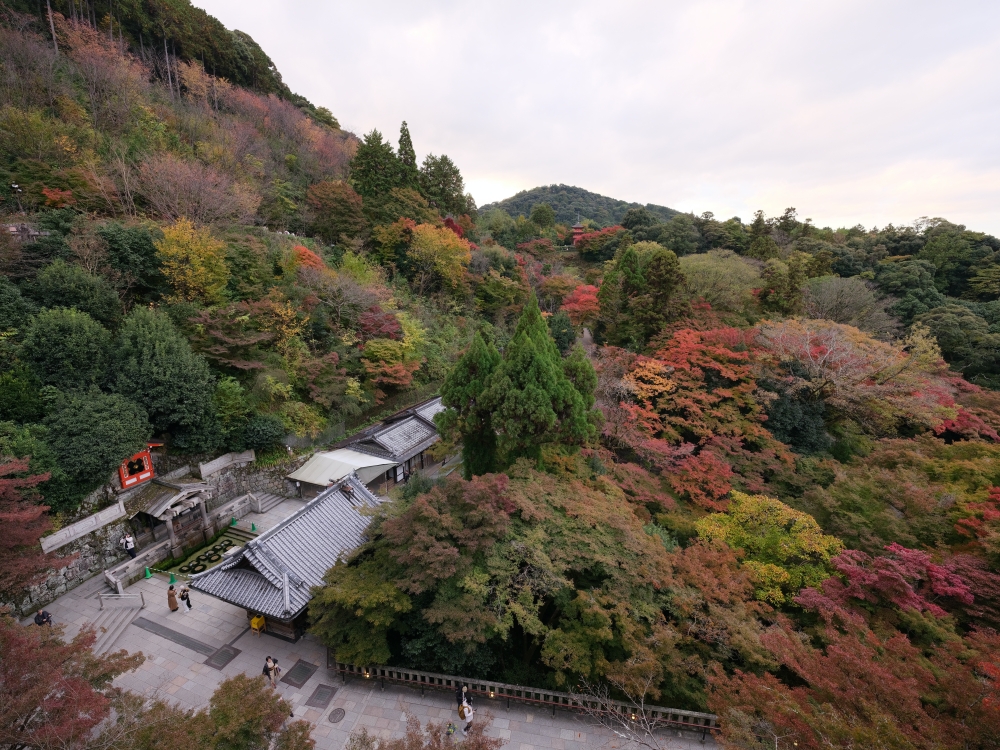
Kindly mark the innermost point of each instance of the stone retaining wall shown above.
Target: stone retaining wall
(99, 550)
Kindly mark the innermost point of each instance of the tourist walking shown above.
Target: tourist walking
(465, 713)
(172, 599)
(127, 543)
(43, 618)
(460, 691)
(271, 671)
(186, 598)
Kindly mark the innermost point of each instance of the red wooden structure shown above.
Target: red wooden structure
(138, 468)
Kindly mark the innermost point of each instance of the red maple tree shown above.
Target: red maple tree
(52, 693)
(581, 304)
(23, 519)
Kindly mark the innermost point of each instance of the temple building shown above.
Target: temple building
(381, 456)
(272, 576)
(173, 510)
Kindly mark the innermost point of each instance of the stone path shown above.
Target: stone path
(215, 632)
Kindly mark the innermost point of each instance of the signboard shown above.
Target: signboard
(136, 470)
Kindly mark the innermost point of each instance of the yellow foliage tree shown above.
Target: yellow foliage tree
(784, 549)
(439, 253)
(194, 262)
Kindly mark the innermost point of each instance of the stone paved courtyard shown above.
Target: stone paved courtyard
(177, 646)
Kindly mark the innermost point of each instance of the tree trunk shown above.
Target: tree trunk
(166, 59)
(52, 26)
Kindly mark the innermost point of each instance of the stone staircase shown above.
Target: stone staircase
(267, 501)
(241, 535)
(116, 614)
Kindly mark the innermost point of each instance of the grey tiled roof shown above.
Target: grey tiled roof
(404, 437)
(294, 554)
(428, 410)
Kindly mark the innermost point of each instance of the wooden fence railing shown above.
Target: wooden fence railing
(665, 717)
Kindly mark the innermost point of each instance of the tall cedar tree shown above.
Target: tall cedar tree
(53, 694)
(651, 308)
(462, 393)
(409, 173)
(442, 184)
(532, 400)
(24, 521)
(374, 168)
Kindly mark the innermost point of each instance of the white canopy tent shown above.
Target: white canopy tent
(332, 466)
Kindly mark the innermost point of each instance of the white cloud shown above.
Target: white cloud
(852, 111)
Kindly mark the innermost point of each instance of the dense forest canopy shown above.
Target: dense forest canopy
(741, 466)
(570, 203)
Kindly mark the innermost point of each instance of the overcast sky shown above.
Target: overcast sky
(852, 111)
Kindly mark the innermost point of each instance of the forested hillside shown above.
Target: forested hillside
(571, 203)
(768, 487)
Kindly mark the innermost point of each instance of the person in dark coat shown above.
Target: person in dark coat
(186, 597)
(43, 618)
(172, 599)
(271, 671)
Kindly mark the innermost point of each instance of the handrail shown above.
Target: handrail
(122, 597)
(675, 717)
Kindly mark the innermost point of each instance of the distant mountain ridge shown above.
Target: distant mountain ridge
(569, 202)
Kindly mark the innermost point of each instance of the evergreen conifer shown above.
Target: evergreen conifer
(374, 168)
(531, 399)
(462, 392)
(409, 172)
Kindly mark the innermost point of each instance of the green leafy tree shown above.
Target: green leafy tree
(781, 284)
(374, 168)
(720, 277)
(562, 331)
(232, 409)
(20, 400)
(15, 310)
(338, 211)
(64, 285)
(954, 251)
(985, 282)
(243, 713)
(761, 245)
(66, 348)
(637, 217)
(94, 432)
(442, 184)
(264, 432)
(155, 366)
(462, 392)
(543, 215)
(653, 307)
(132, 253)
(784, 549)
(581, 374)
(409, 173)
(531, 399)
(681, 235)
(912, 283)
(966, 342)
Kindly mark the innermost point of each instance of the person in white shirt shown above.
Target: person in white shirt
(465, 713)
(127, 543)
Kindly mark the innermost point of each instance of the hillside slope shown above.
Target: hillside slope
(569, 202)
(158, 28)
